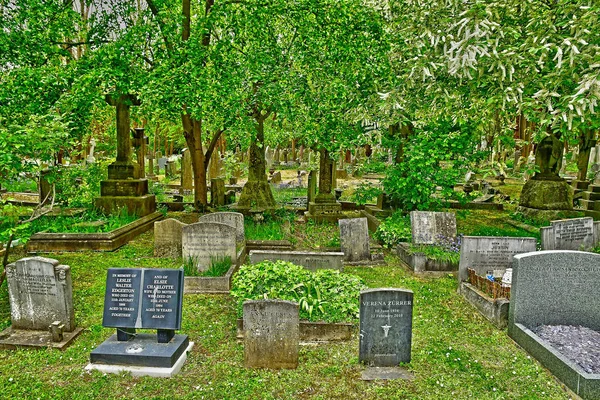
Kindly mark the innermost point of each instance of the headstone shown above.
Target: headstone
(162, 163)
(229, 218)
(206, 241)
(309, 260)
(429, 227)
(271, 334)
(90, 158)
(354, 239)
(140, 298)
(276, 178)
(187, 178)
(312, 187)
(217, 192)
(170, 168)
(40, 292)
(385, 335)
(488, 253)
(167, 238)
(569, 234)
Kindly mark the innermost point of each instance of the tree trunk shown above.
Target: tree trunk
(586, 142)
(192, 131)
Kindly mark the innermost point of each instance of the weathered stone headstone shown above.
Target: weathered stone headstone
(217, 192)
(206, 241)
(40, 292)
(569, 234)
(229, 218)
(429, 227)
(187, 178)
(167, 238)
(276, 178)
(312, 187)
(385, 335)
(272, 334)
(309, 260)
(556, 288)
(140, 298)
(162, 163)
(485, 253)
(354, 239)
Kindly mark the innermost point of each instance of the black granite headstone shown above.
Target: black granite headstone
(122, 298)
(385, 327)
(161, 299)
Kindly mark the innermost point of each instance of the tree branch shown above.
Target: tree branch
(211, 147)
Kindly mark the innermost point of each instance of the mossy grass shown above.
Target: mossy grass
(456, 353)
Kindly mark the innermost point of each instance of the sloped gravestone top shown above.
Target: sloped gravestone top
(272, 334)
(385, 327)
(234, 219)
(354, 239)
(429, 227)
(40, 292)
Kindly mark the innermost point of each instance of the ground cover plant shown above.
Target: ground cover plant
(456, 353)
(323, 295)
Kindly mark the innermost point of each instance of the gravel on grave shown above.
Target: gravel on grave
(578, 343)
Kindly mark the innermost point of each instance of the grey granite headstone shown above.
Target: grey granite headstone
(40, 292)
(309, 260)
(484, 253)
(230, 218)
(206, 241)
(429, 227)
(271, 334)
(569, 234)
(385, 327)
(354, 239)
(557, 287)
(167, 238)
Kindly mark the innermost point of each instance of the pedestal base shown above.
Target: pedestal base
(138, 205)
(141, 356)
(320, 212)
(547, 195)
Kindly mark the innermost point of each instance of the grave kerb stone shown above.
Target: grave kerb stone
(308, 259)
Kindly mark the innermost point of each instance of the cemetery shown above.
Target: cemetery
(293, 200)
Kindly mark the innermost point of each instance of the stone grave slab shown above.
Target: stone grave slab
(354, 239)
(308, 259)
(485, 253)
(40, 293)
(271, 334)
(167, 238)
(206, 241)
(142, 298)
(385, 335)
(234, 219)
(430, 227)
(551, 288)
(569, 234)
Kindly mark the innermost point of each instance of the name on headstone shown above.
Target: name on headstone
(234, 219)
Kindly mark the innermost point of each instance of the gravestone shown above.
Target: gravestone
(307, 259)
(167, 238)
(486, 253)
(206, 241)
(276, 178)
(141, 298)
(229, 218)
(385, 327)
(217, 192)
(271, 334)
(569, 234)
(187, 179)
(552, 288)
(40, 292)
(162, 163)
(312, 187)
(90, 158)
(429, 227)
(354, 239)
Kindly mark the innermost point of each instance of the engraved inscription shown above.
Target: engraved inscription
(122, 294)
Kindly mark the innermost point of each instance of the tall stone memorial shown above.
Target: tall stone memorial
(126, 186)
(385, 336)
(271, 334)
(142, 298)
(40, 292)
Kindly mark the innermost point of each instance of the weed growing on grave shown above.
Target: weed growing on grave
(394, 229)
(218, 267)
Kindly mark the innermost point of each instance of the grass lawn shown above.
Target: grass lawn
(456, 354)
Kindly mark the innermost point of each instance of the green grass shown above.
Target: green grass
(456, 353)
(283, 196)
(435, 253)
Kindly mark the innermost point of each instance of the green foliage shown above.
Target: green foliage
(78, 185)
(365, 192)
(218, 267)
(438, 253)
(273, 227)
(326, 295)
(394, 229)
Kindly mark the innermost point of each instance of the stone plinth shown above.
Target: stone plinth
(547, 195)
(320, 212)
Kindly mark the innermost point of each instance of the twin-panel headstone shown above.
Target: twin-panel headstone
(229, 218)
(206, 242)
(271, 334)
(485, 253)
(40, 292)
(385, 327)
(167, 238)
(429, 227)
(354, 239)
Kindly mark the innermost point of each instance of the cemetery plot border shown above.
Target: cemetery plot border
(420, 263)
(214, 285)
(109, 241)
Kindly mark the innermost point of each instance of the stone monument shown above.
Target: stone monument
(354, 239)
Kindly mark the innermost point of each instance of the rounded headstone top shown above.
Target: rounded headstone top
(399, 290)
(550, 252)
(270, 301)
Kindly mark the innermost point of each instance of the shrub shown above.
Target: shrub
(326, 295)
(394, 229)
